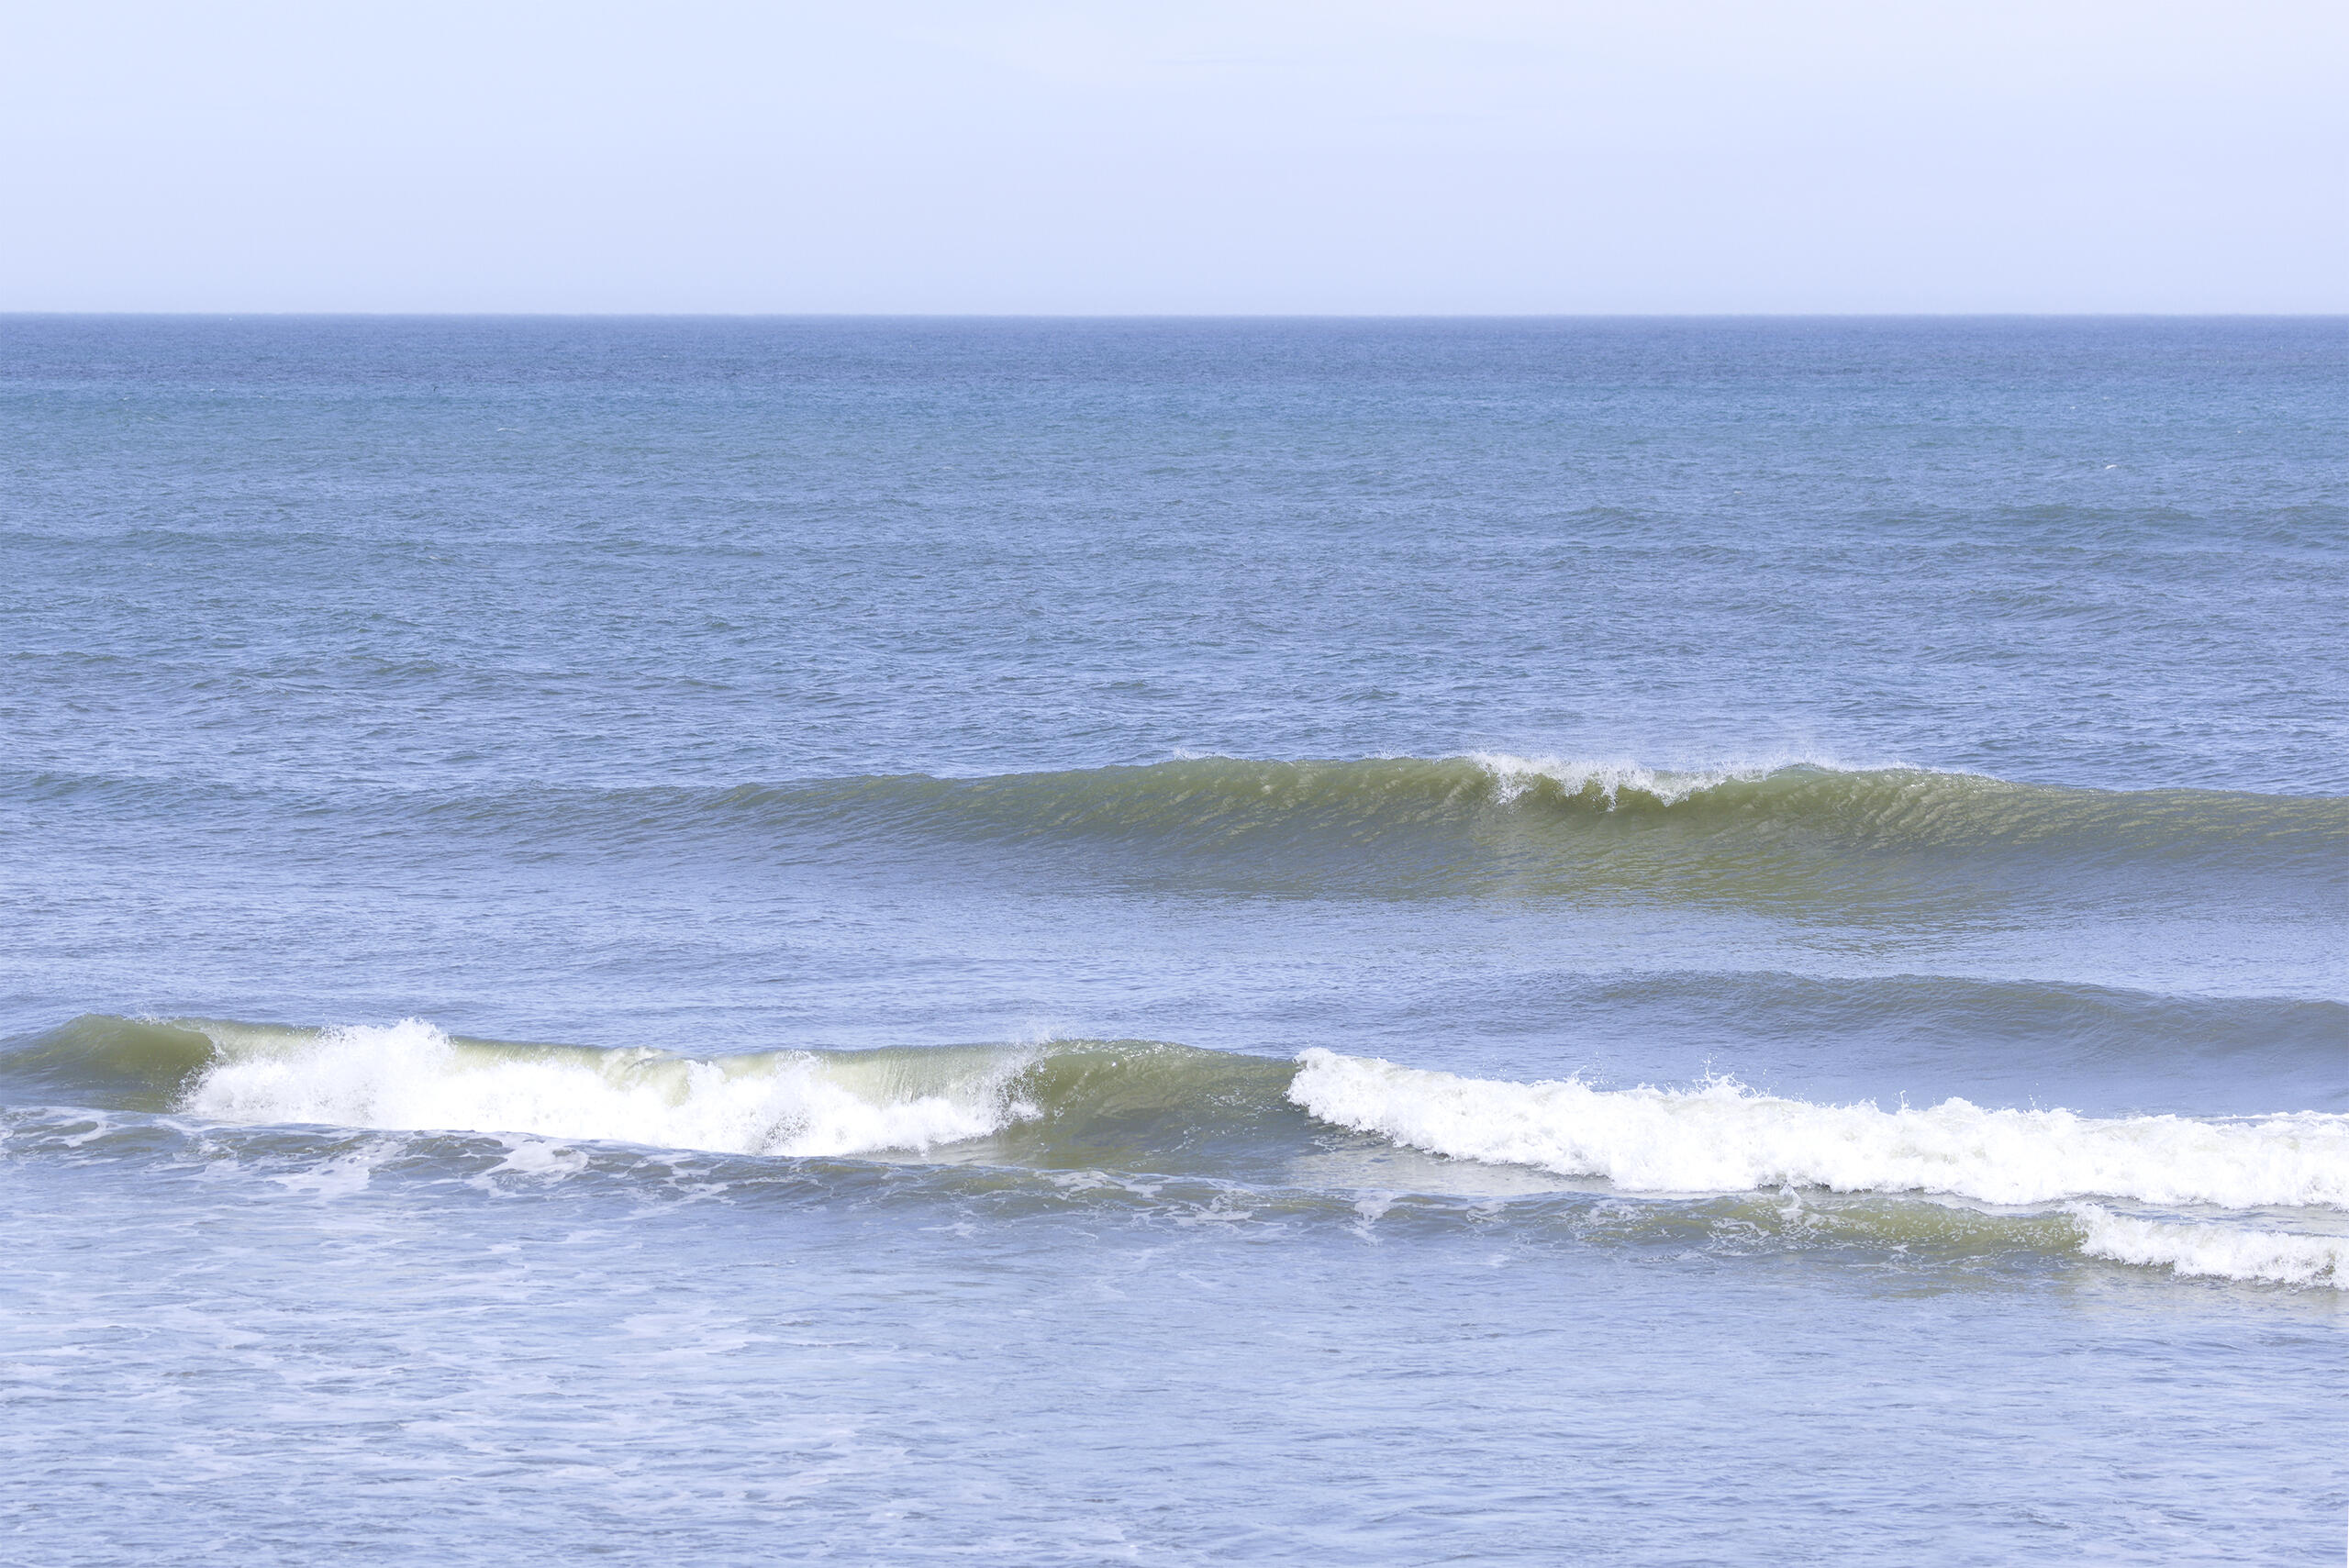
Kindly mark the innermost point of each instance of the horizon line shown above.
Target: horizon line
(349, 315)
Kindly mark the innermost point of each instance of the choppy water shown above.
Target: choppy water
(883, 942)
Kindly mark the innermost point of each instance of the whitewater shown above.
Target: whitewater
(1725, 1138)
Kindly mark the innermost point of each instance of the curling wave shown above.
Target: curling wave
(1311, 1129)
(1131, 1103)
(412, 1077)
(1202, 803)
(1210, 801)
(1059, 1103)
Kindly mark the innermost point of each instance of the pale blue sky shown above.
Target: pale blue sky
(702, 155)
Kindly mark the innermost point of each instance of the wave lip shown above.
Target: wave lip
(410, 1077)
(1613, 783)
(1725, 1138)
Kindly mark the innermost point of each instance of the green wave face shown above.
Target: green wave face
(1880, 843)
(119, 1063)
(1211, 801)
(1872, 844)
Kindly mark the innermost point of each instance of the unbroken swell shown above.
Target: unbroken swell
(1210, 801)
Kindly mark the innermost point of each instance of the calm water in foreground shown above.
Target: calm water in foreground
(734, 943)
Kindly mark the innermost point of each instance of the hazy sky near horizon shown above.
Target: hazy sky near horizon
(703, 155)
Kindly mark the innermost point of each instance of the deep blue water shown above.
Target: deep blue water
(894, 942)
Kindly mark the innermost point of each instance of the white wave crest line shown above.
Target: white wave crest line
(1724, 1138)
(2214, 1251)
(412, 1077)
(1612, 778)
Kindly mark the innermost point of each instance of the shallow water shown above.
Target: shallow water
(1169, 942)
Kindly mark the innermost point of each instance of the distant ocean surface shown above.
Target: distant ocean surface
(728, 942)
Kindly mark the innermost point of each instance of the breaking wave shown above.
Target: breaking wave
(412, 1077)
(1203, 802)
(1314, 1125)
(1063, 1102)
(1725, 1138)
(1207, 801)
(2214, 1251)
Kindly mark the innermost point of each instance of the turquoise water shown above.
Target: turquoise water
(1173, 942)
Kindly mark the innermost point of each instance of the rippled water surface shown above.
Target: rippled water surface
(1049, 942)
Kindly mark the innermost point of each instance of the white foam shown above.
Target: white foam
(411, 1076)
(537, 1157)
(1725, 1138)
(339, 1177)
(1513, 776)
(2214, 1251)
(1610, 779)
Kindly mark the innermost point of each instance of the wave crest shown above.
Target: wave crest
(2214, 1251)
(1155, 1111)
(1725, 1138)
(413, 1078)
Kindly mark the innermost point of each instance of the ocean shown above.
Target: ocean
(903, 941)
